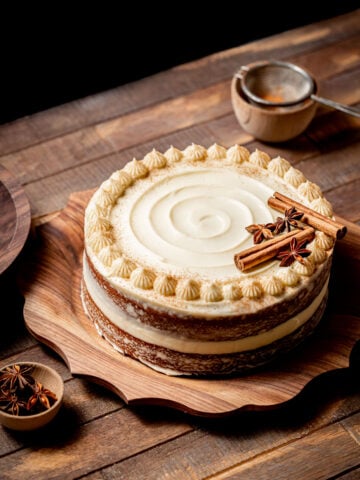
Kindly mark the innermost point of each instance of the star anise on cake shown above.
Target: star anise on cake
(261, 231)
(291, 216)
(296, 251)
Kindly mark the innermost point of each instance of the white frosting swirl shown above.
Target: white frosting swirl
(192, 221)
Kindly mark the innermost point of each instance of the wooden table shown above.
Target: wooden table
(75, 146)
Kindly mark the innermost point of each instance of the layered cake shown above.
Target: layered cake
(160, 280)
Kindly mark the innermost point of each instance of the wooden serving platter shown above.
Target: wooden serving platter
(53, 314)
(15, 218)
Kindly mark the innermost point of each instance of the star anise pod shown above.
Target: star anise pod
(10, 402)
(291, 216)
(41, 397)
(261, 231)
(296, 251)
(16, 376)
(279, 225)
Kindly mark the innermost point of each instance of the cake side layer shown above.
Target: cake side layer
(165, 339)
(238, 321)
(177, 363)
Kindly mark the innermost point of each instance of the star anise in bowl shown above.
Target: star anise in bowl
(30, 395)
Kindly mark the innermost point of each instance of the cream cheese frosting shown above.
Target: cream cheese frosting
(172, 232)
(159, 277)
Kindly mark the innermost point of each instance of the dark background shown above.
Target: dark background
(53, 55)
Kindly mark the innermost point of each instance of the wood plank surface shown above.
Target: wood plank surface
(15, 218)
(177, 81)
(55, 287)
(73, 147)
(338, 452)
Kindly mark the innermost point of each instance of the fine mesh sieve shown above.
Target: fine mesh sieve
(282, 84)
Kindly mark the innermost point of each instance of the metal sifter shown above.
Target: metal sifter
(283, 84)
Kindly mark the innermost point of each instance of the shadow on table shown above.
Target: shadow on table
(322, 392)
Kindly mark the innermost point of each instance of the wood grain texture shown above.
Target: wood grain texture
(72, 148)
(337, 452)
(292, 45)
(215, 447)
(91, 446)
(83, 159)
(15, 218)
(54, 314)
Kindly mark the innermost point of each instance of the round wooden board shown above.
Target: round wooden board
(54, 315)
(15, 218)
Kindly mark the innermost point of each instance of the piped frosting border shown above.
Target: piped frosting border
(100, 241)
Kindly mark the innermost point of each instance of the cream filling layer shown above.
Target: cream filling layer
(151, 335)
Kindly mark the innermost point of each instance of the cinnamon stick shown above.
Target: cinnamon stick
(325, 224)
(258, 254)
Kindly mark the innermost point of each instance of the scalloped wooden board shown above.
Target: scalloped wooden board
(53, 314)
(15, 218)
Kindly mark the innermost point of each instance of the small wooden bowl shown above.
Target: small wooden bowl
(51, 380)
(271, 124)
